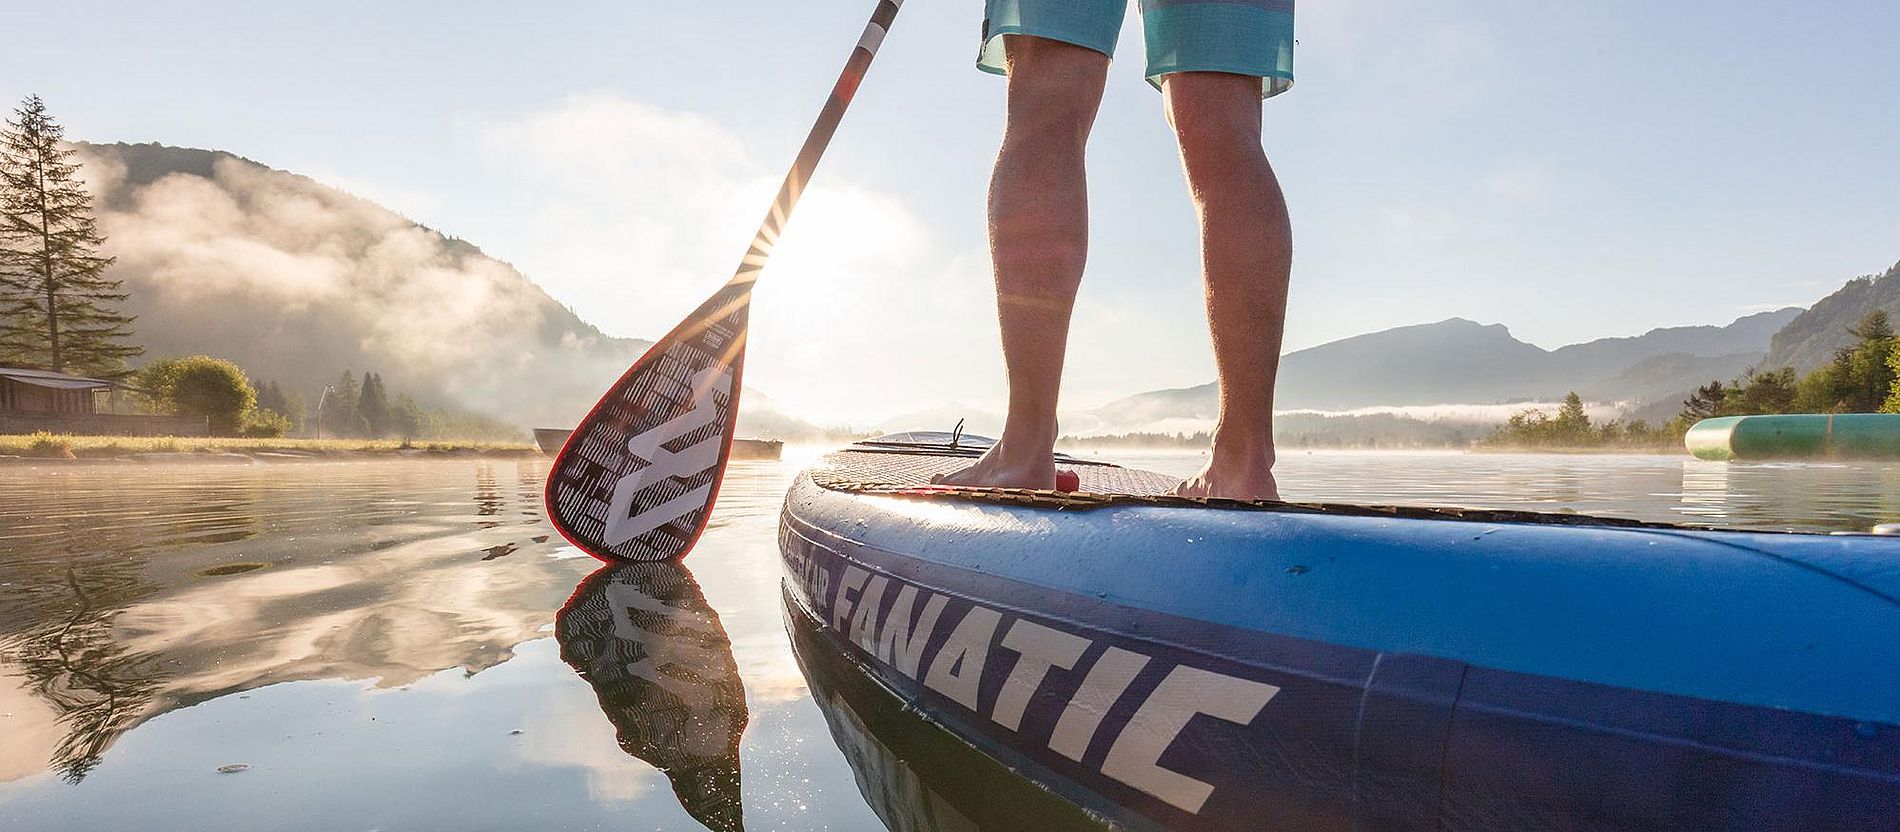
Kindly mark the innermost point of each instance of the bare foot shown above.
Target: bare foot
(1003, 466)
(1235, 479)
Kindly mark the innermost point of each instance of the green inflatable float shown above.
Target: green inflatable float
(1797, 436)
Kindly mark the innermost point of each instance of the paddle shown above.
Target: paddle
(637, 478)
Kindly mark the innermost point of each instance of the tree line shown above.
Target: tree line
(233, 404)
(59, 310)
(1862, 377)
(1572, 427)
(348, 408)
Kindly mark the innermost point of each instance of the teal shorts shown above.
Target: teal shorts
(1244, 37)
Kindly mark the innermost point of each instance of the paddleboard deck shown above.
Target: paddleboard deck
(1184, 664)
(908, 467)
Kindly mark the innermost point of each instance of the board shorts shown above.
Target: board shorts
(1244, 37)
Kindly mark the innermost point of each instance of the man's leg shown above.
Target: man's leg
(1246, 258)
(1038, 244)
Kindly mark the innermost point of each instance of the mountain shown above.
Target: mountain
(297, 282)
(975, 420)
(1811, 338)
(1606, 356)
(761, 417)
(1455, 360)
(1458, 361)
(1669, 377)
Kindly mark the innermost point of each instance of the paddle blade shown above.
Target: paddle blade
(637, 478)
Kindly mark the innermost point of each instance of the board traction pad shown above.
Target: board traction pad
(887, 470)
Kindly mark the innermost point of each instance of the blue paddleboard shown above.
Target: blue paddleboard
(1169, 663)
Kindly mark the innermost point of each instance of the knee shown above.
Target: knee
(1216, 142)
(1216, 119)
(1054, 91)
(1053, 123)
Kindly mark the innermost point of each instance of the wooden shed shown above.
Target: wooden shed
(43, 391)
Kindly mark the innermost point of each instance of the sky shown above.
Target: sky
(1573, 170)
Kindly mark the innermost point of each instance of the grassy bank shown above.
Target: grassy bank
(61, 446)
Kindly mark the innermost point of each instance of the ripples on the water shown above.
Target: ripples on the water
(372, 644)
(1803, 496)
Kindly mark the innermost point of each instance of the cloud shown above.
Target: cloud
(635, 210)
(1517, 183)
(1437, 53)
(256, 233)
(567, 730)
(640, 212)
(601, 139)
(1467, 412)
(33, 730)
(299, 281)
(408, 202)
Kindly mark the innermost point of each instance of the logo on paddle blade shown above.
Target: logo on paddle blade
(638, 476)
(663, 464)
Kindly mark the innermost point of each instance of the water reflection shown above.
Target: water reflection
(372, 638)
(72, 661)
(916, 775)
(1705, 489)
(1794, 496)
(1830, 496)
(130, 593)
(659, 661)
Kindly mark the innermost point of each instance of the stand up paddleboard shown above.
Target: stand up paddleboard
(1171, 663)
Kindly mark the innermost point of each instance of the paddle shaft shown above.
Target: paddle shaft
(637, 478)
(815, 143)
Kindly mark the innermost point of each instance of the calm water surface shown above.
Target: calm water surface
(408, 645)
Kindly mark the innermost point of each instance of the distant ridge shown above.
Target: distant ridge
(1811, 338)
(1459, 361)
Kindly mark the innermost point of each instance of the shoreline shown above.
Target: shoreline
(1587, 450)
(39, 449)
(1288, 450)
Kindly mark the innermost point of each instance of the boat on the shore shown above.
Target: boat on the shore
(550, 441)
(767, 449)
(1796, 436)
(1163, 662)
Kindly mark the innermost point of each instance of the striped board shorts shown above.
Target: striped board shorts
(1244, 37)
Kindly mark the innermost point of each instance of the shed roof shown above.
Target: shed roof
(56, 381)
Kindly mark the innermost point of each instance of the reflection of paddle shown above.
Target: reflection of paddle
(636, 480)
(653, 650)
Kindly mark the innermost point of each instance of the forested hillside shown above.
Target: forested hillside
(1809, 341)
(297, 282)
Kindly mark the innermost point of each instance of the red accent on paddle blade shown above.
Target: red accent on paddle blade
(637, 478)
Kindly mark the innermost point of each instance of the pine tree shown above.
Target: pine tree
(1876, 326)
(271, 397)
(1704, 403)
(1572, 424)
(373, 405)
(1872, 378)
(407, 417)
(1892, 404)
(1859, 379)
(57, 303)
(337, 415)
(1760, 392)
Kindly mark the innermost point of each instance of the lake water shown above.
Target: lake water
(373, 645)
